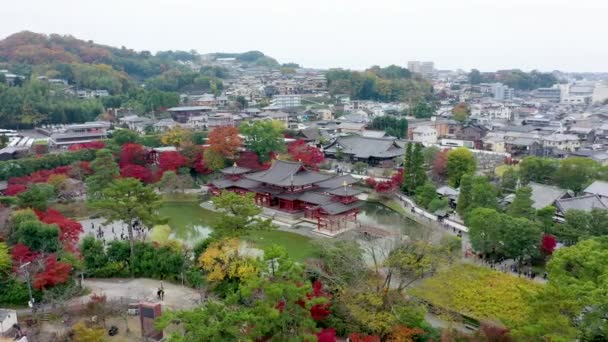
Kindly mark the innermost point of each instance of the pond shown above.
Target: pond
(190, 223)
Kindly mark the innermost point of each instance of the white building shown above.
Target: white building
(564, 142)
(501, 92)
(491, 111)
(426, 69)
(286, 101)
(425, 134)
(7, 319)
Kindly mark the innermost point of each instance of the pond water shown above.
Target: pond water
(190, 222)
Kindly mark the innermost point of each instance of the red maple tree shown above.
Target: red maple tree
(94, 145)
(22, 254)
(327, 335)
(15, 189)
(171, 161)
(309, 156)
(132, 154)
(440, 163)
(69, 230)
(225, 141)
(200, 166)
(138, 172)
(548, 243)
(55, 273)
(249, 160)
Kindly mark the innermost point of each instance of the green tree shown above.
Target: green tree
(214, 160)
(105, 170)
(124, 136)
(465, 198)
(475, 77)
(545, 217)
(128, 200)
(485, 230)
(508, 181)
(425, 194)
(460, 162)
(536, 169)
(93, 253)
(414, 173)
(522, 204)
(423, 109)
(430, 153)
(581, 224)
(461, 112)
(36, 196)
(483, 194)
(520, 238)
(575, 173)
(38, 236)
(5, 259)
(239, 215)
(360, 167)
(263, 137)
(579, 274)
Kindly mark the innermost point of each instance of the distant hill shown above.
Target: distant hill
(90, 65)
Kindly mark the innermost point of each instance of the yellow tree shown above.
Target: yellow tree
(224, 260)
(176, 136)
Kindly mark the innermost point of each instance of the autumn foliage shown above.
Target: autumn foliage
(132, 154)
(225, 141)
(55, 273)
(69, 230)
(171, 161)
(94, 145)
(137, 172)
(548, 243)
(309, 156)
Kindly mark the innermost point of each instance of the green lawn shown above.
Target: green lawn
(298, 247)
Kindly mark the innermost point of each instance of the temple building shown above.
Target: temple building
(328, 200)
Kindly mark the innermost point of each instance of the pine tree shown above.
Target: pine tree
(466, 194)
(522, 204)
(407, 166)
(418, 170)
(105, 170)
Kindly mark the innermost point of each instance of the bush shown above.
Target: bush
(14, 292)
(25, 166)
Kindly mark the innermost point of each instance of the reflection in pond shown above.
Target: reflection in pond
(190, 222)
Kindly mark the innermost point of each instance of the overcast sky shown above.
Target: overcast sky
(485, 34)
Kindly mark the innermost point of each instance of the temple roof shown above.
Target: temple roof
(345, 191)
(241, 183)
(284, 173)
(235, 170)
(363, 147)
(338, 181)
(335, 208)
(314, 198)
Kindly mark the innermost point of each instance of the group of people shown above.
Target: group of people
(160, 293)
(501, 265)
(138, 230)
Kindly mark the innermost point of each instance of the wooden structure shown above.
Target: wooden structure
(289, 187)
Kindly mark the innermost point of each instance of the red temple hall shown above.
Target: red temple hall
(328, 200)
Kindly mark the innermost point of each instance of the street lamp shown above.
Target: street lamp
(29, 284)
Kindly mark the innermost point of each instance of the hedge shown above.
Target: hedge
(25, 166)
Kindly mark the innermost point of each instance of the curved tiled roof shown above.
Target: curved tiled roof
(284, 173)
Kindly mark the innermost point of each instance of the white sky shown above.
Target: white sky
(567, 35)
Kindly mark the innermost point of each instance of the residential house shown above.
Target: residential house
(220, 120)
(564, 142)
(136, 123)
(181, 114)
(164, 125)
(425, 135)
(79, 133)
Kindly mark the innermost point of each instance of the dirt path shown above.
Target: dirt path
(142, 289)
